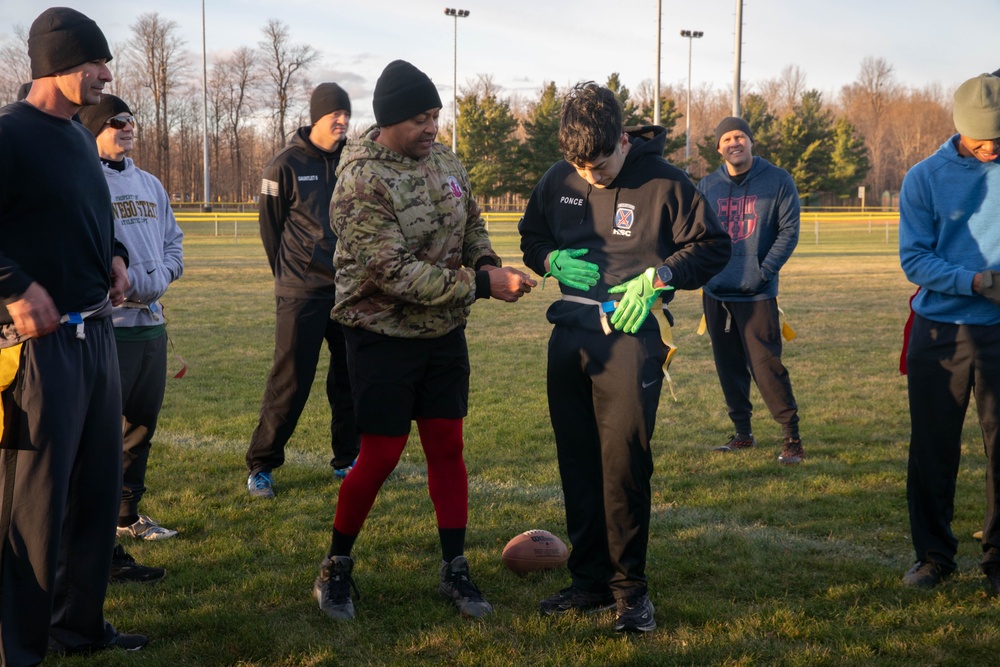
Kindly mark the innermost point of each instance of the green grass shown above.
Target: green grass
(750, 563)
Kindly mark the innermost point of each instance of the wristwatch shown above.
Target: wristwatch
(663, 276)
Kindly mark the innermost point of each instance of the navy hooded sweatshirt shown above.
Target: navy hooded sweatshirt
(761, 214)
(649, 215)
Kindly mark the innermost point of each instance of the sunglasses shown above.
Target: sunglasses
(119, 122)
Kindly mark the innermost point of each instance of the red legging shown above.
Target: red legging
(447, 480)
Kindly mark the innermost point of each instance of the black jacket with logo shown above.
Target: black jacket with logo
(649, 215)
(294, 217)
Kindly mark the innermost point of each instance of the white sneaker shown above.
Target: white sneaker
(146, 529)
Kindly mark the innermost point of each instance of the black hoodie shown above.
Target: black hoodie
(649, 215)
(294, 217)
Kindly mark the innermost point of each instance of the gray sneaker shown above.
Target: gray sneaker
(146, 529)
(260, 485)
(635, 614)
(333, 588)
(737, 442)
(456, 585)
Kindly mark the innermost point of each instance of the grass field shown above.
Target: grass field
(750, 563)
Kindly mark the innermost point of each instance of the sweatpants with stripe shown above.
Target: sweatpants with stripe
(301, 326)
(746, 344)
(603, 392)
(67, 453)
(946, 363)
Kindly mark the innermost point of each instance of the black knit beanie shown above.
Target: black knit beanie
(94, 116)
(327, 98)
(62, 38)
(728, 125)
(401, 92)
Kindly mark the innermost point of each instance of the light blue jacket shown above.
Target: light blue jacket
(949, 230)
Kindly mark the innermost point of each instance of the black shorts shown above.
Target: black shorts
(396, 380)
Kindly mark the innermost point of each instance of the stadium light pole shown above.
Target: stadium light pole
(206, 205)
(656, 102)
(691, 36)
(738, 49)
(456, 14)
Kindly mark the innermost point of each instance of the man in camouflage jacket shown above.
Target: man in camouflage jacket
(413, 255)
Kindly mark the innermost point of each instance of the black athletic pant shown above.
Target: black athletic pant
(746, 343)
(301, 325)
(603, 393)
(68, 440)
(143, 367)
(945, 364)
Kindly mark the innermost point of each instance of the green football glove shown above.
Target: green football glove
(639, 297)
(573, 272)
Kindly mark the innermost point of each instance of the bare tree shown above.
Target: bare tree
(784, 92)
(238, 80)
(866, 103)
(284, 63)
(156, 44)
(15, 68)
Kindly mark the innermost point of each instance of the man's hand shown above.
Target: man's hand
(119, 281)
(34, 313)
(573, 272)
(508, 284)
(639, 297)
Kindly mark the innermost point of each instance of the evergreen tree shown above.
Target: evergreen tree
(540, 149)
(630, 112)
(849, 159)
(805, 144)
(486, 142)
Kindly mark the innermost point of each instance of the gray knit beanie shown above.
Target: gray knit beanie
(977, 107)
(729, 124)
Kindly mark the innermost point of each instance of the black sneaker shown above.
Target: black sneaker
(125, 569)
(791, 452)
(577, 599)
(129, 642)
(992, 572)
(635, 614)
(737, 442)
(924, 574)
(333, 587)
(456, 585)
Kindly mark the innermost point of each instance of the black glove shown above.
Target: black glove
(989, 286)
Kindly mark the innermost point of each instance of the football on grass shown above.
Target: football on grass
(534, 550)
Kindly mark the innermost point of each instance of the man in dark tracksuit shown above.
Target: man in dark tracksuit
(758, 204)
(295, 228)
(613, 219)
(61, 446)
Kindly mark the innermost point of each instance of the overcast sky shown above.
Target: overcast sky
(524, 43)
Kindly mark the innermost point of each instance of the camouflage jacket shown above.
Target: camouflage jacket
(410, 238)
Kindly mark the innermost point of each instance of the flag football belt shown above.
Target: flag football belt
(666, 331)
(76, 318)
(787, 332)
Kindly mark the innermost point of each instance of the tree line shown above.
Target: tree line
(868, 135)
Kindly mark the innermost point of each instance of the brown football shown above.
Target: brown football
(534, 550)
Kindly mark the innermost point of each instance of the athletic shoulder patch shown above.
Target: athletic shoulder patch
(269, 187)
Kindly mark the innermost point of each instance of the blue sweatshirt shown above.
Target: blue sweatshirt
(761, 215)
(949, 230)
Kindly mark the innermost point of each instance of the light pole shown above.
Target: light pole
(738, 50)
(457, 14)
(691, 36)
(206, 206)
(656, 102)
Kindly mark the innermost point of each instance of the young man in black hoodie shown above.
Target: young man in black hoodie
(295, 228)
(613, 221)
